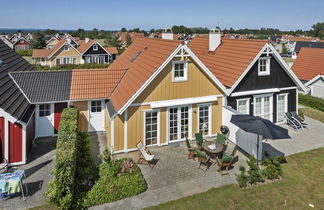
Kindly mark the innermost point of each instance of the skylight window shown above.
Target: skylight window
(136, 56)
(2, 63)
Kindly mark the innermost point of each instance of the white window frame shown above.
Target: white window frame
(67, 60)
(47, 110)
(185, 71)
(247, 103)
(209, 118)
(158, 126)
(179, 123)
(286, 104)
(95, 47)
(262, 104)
(74, 60)
(66, 47)
(57, 59)
(267, 66)
(96, 106)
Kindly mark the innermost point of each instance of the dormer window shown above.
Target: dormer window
(264, 66)
(95, 47)
(66, 48)
(179, 71)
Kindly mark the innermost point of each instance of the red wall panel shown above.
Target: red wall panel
(2, 137)
(15, 142)
(58, 109)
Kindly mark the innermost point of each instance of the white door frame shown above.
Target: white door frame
(262, 104)
(286, 104)
(179, 122)
(102, 116)
(209, 118)
(158, 127)
(37, 120)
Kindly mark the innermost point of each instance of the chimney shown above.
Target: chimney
(214, 38)
(167, 34)
(87, 40)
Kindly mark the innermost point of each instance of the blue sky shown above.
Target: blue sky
(147, 14)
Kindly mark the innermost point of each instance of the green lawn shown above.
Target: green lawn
(29, 59)
(313, 113)
(302, 183)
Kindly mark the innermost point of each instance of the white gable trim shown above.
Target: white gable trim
(7, 116)
(175, 52)
(314, 80)
(206, 70)
(139, 91)
(247, 69)
(51, 55)
(280, 61)
(290, 73)
(95, 42)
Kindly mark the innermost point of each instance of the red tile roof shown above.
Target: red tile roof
(230, 59)
(153, 53)
(112, 50)
(131, 34)
(83, 46)
(39, 53)
(309, 63)
(94, 83)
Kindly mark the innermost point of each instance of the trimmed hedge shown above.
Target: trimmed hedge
(311, 101)
(72, 66)
(24, 52)
(61, 189)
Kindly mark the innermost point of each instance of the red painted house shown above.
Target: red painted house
(17, 115)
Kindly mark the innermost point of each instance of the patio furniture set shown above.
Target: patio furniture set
(295, 121)
(212, 152)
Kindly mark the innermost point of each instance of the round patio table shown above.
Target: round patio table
(213, 153)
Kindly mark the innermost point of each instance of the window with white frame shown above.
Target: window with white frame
(95, 47)
(204, 119)
(66, 60)
(179, 71)
(264, 66)
(282, 106)
(151, 127)
(96, 106)
(74, 60)
(243, 105)
(66, 48)
(58, 61)
(44, 110)
(263, 107)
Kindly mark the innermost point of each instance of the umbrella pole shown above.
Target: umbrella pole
(258, 150)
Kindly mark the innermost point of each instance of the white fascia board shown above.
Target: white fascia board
(6, 115)
(184, 101)
(206, 70)
(139, 91)
(255, 92)
(284, 65)
(314, 80)
(248, 69)
(51, 55)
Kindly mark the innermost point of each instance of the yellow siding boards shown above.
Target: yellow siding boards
(108, 128)
(162, 87)
(83, 114)
(61, 53)
(119, 133)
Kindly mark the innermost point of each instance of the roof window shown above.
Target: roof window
(2, 63)
(136, 56)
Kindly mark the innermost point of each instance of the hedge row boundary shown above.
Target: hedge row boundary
(311, 101)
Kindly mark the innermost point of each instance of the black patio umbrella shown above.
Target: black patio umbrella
(259, 126)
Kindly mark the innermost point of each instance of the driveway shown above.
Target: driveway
(300, 141)
(38, 174)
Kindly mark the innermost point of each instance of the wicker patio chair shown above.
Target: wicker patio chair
(145, 155)
(191, 150)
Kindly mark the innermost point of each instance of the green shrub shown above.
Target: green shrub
(86, 170)
(72, 66)
(301, 114)
(255, 174)
(24, 52)
(114, 185)
(105, 156)
(311, 101)
(242, 178)
(270, 171)
(61, 189)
